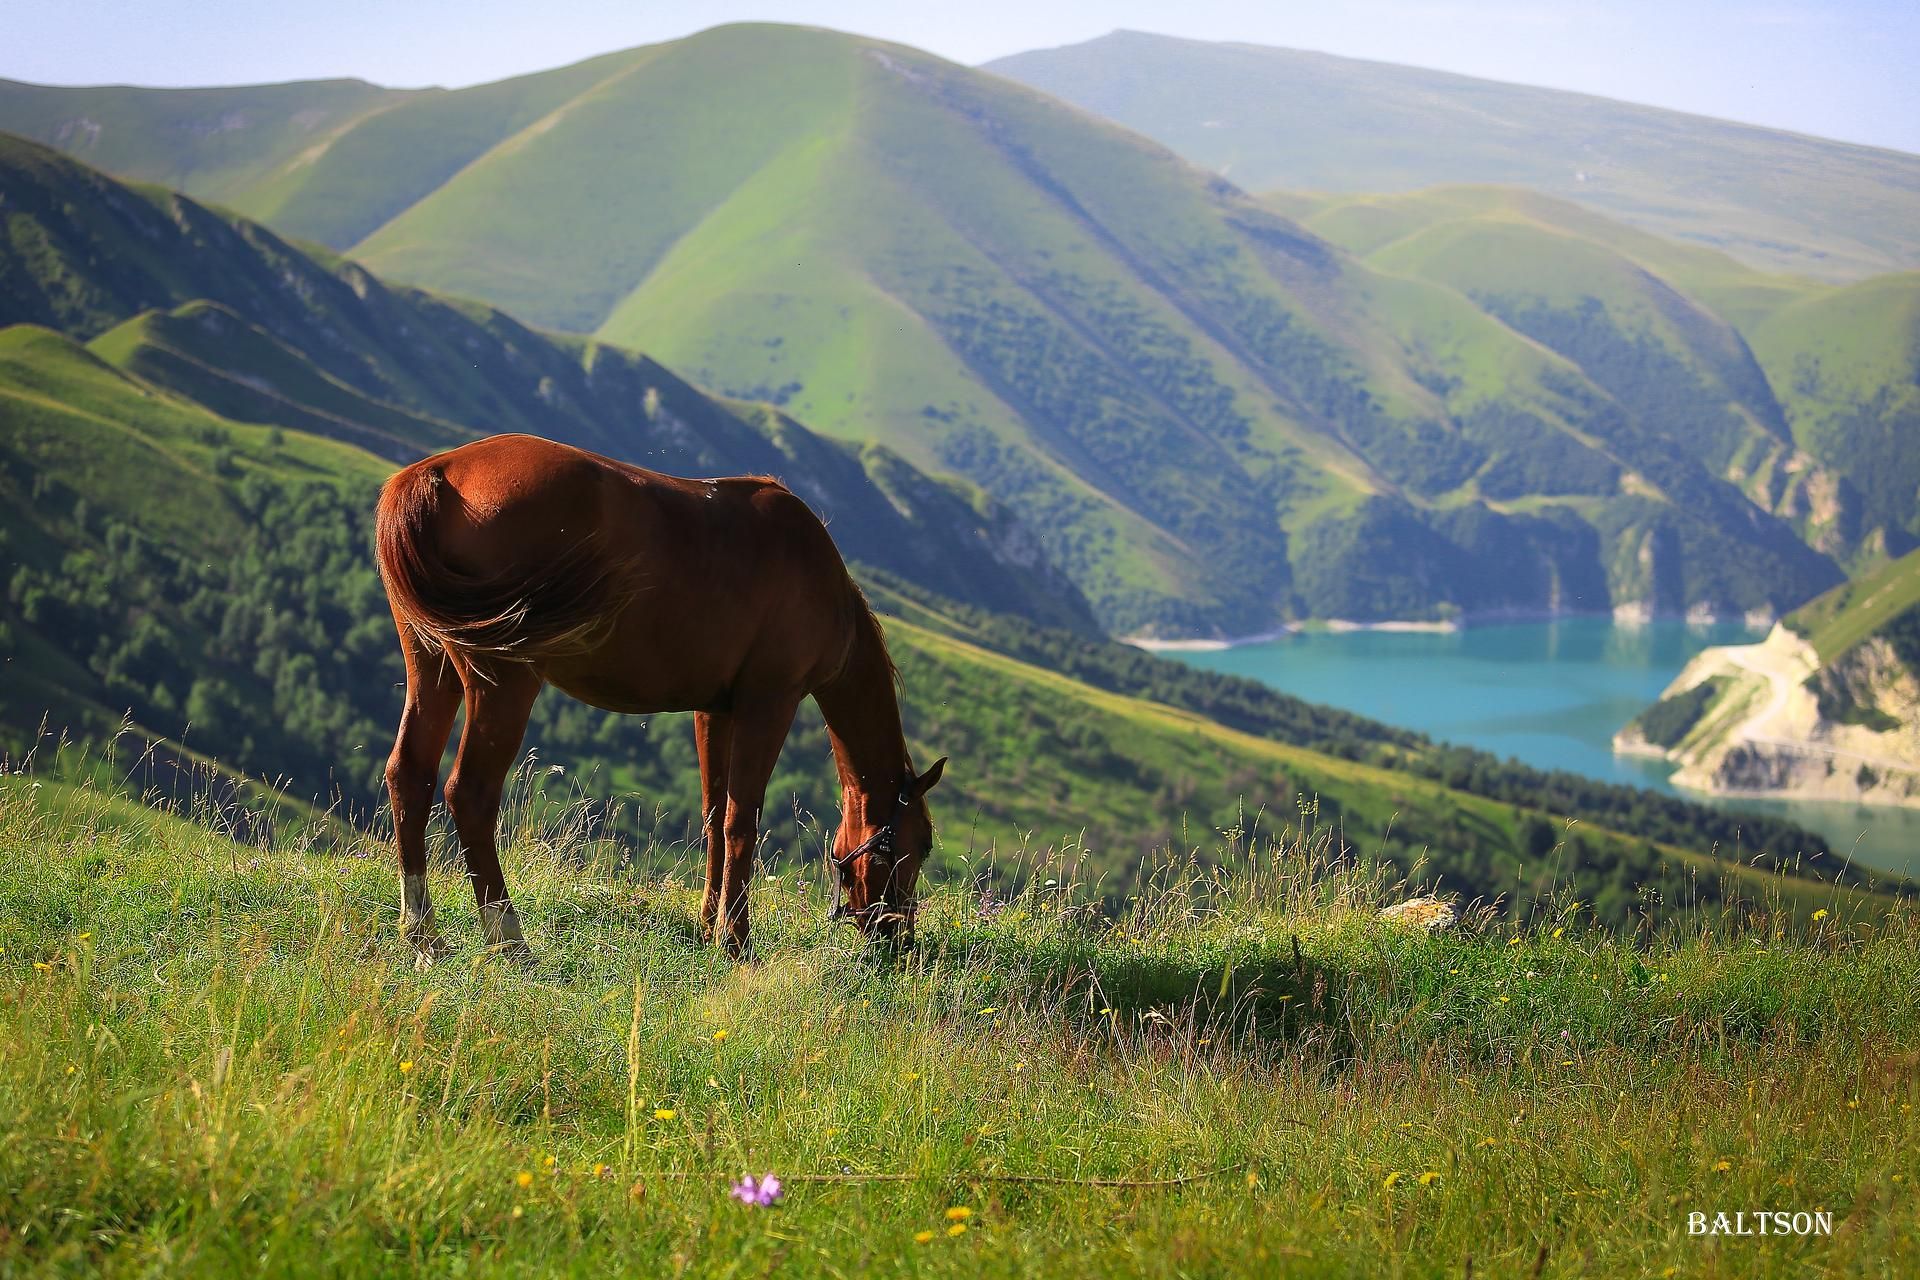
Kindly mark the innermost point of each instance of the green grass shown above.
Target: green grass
(218, 1058)
(1843, 617)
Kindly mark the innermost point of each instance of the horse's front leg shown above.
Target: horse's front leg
(759, 729)
(712, 738)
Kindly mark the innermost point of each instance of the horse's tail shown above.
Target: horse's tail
(557, 608)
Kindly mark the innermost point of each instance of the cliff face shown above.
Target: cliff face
(1772, 719)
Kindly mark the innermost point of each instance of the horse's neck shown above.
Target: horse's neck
(863, 722)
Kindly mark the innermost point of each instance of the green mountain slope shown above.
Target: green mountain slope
(1802, 394)
(255, 329)
(1847, 363)
(1212, 419)
(1869, 605)
(1267, 117)
(224, 144)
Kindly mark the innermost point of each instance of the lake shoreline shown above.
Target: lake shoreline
(1622, 616)
(1552, 694)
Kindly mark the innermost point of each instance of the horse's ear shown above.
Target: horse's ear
(924, 783)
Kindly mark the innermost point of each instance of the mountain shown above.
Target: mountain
(1806, 396)
(1212, 419)
(1827, 707)
(220, 143)
(253, 328)
(1284, 118)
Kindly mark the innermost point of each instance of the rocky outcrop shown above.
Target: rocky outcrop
(1769, 719)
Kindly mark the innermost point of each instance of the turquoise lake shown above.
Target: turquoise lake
(1550, 694)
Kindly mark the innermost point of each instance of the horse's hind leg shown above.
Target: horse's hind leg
(713, 739)
(498, 703)
(433, 698)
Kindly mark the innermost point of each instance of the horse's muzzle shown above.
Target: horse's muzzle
(886, 925)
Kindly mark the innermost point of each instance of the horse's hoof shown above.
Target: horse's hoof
(427, 948)
(515, 951)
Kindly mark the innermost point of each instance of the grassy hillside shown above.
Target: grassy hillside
(1267, 117)
(1212, 419)
(224, 144)
(255, 329)
(1843, 617)
(1800, 393)
(220, 1060)
(1847, 363)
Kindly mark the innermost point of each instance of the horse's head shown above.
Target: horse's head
(878, 860)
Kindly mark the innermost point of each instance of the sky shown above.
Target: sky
(1836, 68)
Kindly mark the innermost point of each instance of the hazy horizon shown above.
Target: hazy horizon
(1834, 70)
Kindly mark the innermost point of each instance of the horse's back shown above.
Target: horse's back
(721, 582)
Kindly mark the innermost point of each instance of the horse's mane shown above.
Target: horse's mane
(864, 616)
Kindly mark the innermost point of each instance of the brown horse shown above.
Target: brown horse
(514, 562)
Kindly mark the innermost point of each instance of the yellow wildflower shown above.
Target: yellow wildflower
(1392, 1178)
(406, 1066)
(957, 1229)
(959, 1213)
(600, 1169)
(1430, 1177)
(664, 1113)
(923, 1237)
(1721, 1166)
(720, 1035)
(1821, 914)
(524, 1177)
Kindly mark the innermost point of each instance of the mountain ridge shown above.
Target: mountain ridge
(1380, 126)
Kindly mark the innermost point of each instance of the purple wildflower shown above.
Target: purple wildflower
(765, 1192)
